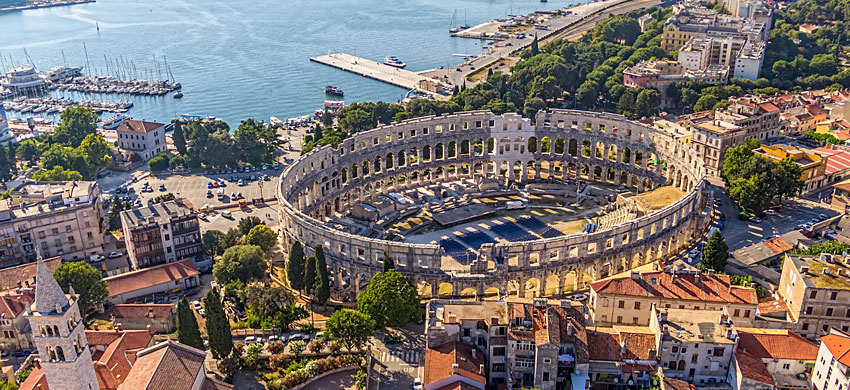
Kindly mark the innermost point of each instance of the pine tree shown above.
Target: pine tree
(322, 287)
(310, 274)
(218, 327)
(179, 138)
(4, 165)
(295, 267)
(187, 326)
(716, 252)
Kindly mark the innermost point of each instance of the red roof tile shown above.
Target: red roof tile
(165, 366)
(143, 278)
(165, 310)
(138, 126)
(14, 302)
(752, 367)
(710, 288)
(768, 107)
(839, 347)
(439, 361)
(604, 345)
(24, 275)
(776, 344)
(839, 160)
(36, 380)
(675, 384)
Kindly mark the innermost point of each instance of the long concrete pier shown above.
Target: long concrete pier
(376, 71)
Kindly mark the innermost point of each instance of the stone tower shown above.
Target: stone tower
(58, 333)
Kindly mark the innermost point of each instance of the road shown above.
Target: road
(396, 365)
(509, 48)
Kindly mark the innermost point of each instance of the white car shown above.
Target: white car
(769, 212)
(579, 297)
(693, 253)
(755, 219)
(226, 214)
(196, 305)
(417, 384)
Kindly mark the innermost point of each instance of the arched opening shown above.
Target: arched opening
(452, 149)
(60, 354)
(546, 145)
(446, 290)
(532, 288)
(585, 148)
(573, 147)
(464, 148)
(532, 144)
(468, 294)
(559, 146)
(425, 289)
(553, 282)
(491, 294)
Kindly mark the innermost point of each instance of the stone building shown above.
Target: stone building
(628, 299)
(156, 282)
(162, 233)
(815, 291)
(14, 326)
(145, 139)
(160, 318)
(767, 359)
(760, 117)
(57, 218)
(712, 138)
(694, 22)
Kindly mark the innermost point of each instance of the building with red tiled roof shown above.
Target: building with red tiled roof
(832, 368)
(15, 332)
(146, 139)
(812, 164)
(772, 357)
(453, 363)
(621, 354)
(132, 286)
(161, 318)
(171, 365)
(114, 352)
(626, 299)
(838, 165)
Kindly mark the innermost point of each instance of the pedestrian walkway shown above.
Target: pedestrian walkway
(409, 356)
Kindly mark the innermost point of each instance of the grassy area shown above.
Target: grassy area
(833, 280)
(570, 227)
(660, 197)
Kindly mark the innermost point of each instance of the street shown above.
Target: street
(396, 365)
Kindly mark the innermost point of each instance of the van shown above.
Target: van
(226, 214)
(514, 204)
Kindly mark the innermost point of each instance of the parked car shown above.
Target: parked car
(823, 217)
(113, 255)
(693, 253)
(755, 219)
(209, 194)
(769, 212)
(162, 187)
(226, 214)
(417, 384)
(20, 353)
(579, 297)
(297, 336)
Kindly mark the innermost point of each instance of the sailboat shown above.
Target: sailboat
(465, 25)
(452, 28)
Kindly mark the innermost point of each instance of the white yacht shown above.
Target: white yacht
(394, 62)
(22, 79)
(63, 72)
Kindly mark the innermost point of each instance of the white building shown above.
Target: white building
(146, 139)
(749, 61)
(832, 370)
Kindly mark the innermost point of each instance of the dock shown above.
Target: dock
(379, 71)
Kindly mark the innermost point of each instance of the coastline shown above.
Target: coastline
(37, 5)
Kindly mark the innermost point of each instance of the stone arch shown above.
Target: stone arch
(439, 152)
(464, 148)
(626, 155)
(512, 288)
(60, 354)
(546, 145)
(469, 293)
(612, 152)
(572, 149)
(491, 293)
(586, 149)
(532, 144)
(559, 146)
(446, 290)
(377, 164)
(402, 160)
(478, 147)
(553, 285)
(389, 161)
(532, 288)
(425, 289)
(452, 150)
(426, 153)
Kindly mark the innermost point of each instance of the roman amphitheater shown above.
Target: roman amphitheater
(479, 205)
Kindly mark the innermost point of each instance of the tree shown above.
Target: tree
(535, 49)
(158, 163)
(86, 280)
(389, 263)
(390, 299)
(350, 327)
(187, 326)
(240, 262)
(27, 150)
(5, 167)
(95, 151)
(295, 267)
(247, 223)
(164, 198)
(214, 242)
(322, 287)
(76, 123)
(310, 275)
(57, 174)
(179, 138)
(716, 252)
(218, 326)
(705, 102)
(262, 236)
(291, 314)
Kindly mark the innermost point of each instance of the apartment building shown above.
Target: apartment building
(627, 300)
(694, 345)
(743, 58)
(832, 370)
(711, 138)
(695, 22)
(816, 292)
(767, 359)
(622, 355)
(760, 117)
(811, 163)
(482, 325)
(162, 233)
(15, 332)
(58, 218)
(145, 139)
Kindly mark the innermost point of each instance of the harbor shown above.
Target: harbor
(429, 86)
(24, 5)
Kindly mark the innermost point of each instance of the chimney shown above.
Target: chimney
(569, 329)
(118, 327)
(96, 327)
(481, 369)
(696, 277)
(634, 275)
(474, 350)
(455, 368)
(729, 334)
(452, 319)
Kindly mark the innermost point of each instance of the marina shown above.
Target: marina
(25, 5)
(48, 105)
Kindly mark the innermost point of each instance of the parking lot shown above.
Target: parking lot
(739, 234)
(195, 187)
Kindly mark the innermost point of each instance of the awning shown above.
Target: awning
(580, 381)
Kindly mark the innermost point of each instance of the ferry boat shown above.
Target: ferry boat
(394, 62)
(332, 90)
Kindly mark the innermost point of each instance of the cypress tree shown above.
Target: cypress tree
(535, 49)
(322, 287)
(187, 326)
(295, 267)
(389, 263)
(5, 168)
(310, 275)
(179, 138)
(218, 328)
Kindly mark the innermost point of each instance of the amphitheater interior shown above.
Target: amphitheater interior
(480, 205)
